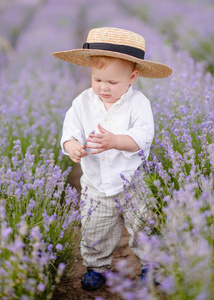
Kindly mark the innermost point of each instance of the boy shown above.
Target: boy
(104, 130)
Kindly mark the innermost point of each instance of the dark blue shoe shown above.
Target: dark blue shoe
(92, 280)
(144, 273)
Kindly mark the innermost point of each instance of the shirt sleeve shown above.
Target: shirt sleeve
(142, 129)
(72, 125)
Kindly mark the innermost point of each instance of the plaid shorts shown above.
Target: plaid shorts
(102, 219)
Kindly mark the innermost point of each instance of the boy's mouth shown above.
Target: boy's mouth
(105, 96)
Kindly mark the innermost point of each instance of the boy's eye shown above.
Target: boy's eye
(113, 82)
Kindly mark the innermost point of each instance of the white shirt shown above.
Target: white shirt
(130, 115)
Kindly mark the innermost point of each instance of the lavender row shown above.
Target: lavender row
(14, 18)
(34, 98)
(36, 243)
(39, 217)
(186, 24)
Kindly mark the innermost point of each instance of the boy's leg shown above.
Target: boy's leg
(134, 226)
(135, 209)
(101, 229)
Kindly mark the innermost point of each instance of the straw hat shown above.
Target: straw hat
(119, 43)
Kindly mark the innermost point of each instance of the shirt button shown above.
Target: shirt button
(103, 159)
(106, 119)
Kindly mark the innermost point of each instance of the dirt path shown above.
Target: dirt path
(72, 290)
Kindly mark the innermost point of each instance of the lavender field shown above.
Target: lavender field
(39, 219)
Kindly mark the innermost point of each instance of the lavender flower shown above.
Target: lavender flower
(59, 247)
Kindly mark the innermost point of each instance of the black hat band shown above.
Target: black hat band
(135, 52)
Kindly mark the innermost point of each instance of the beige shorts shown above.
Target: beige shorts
(102, 222)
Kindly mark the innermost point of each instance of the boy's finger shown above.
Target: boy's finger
(97, 151)
(101, 129)
(94, 146)
(95, 135)
(93, 141)
(82, 152)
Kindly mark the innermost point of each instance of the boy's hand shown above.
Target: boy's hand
(75, 150)
(102, 141)
(105, 140)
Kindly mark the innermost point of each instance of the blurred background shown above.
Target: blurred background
(38, 27)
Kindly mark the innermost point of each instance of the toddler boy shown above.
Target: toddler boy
(104, 130)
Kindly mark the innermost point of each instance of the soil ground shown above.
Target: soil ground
(72, 290)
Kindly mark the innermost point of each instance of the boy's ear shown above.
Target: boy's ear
(134, 76)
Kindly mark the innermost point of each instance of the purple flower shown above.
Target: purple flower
(168, 285)
(60, 269)
(59, 247)
(6, 231)
(129, 296)
(41, 287)
(2, 210)
(89, 211)
(35, 233)
(50, 247)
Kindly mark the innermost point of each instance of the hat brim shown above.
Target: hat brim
(146, 68)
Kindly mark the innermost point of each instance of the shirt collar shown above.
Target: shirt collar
(97, 101)
(126, 95)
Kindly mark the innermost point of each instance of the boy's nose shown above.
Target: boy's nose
(104, 87)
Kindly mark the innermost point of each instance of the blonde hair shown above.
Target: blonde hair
(100, 62)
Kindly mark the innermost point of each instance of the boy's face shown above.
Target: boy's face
(112, 81)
